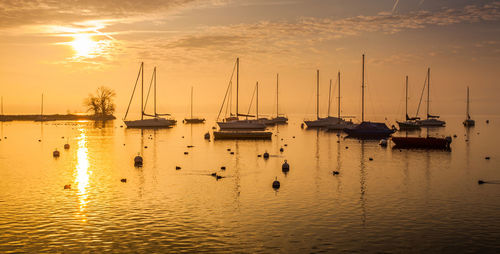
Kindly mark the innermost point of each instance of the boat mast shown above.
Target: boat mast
(363, 90)
(406, 99)
(338, 113)
(155, 90)
(41, 112)
(329, 95)
(142, 90)
(2, 105)
(237, 82)
(191, 102)
(257, 102)
(428, 89)
(277, 82)
(468, 116)
(317, 94)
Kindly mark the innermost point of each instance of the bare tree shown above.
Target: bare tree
(101, 104)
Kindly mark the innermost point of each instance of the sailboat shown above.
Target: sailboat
(320, 122)
(341, 124)
(41, 119)
(430, 120)
(193, 119)
(411, 122)
(468, 122)
(279, 119)
(368, 130)
(157, 121)
(233, 122)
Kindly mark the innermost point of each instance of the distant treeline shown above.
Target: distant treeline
(55, 117)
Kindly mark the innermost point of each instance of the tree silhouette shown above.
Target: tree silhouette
(101, 104)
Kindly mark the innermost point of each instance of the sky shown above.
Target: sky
(66, 49)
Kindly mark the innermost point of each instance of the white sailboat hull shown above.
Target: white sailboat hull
(431, 122)
(323, 122)
(242, 125)
(151, 123)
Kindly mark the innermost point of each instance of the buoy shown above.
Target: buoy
(346, 147)
(266, 155)
(259, 155)
(145, 146)
(383, 142)
(190, 146)
(285, 167)
(182, 137)
(213, 128)
(186, 153)
(121, 126)
(229, 149)
(123, 144)
(302, 126)
(138, 161)
(231, 152)
(336, 172)
(66, 146)
(370, 158)
(38, 140)
(276, 183)
(223, 168)
(55, 153)
(67, 186)
(285, 144)
(281, 139)
(487, 157)
(281, 149)
(207, 135)
(455, 135)
(293, 137)
(177, 168)
(480, 182)
(62, 137)
(123, 180)
(487, 121)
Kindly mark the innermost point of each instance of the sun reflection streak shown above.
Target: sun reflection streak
(82, 173)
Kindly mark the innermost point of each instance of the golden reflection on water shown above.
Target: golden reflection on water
(82, 174)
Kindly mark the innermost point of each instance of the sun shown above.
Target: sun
(83, 45)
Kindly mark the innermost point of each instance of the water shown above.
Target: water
(402, 201)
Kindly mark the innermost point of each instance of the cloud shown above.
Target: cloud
(39, 12)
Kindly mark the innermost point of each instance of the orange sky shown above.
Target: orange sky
(67, 50)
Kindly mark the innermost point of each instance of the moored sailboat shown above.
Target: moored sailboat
(368, 130)
(468, 122)
(280, 118)
(431, 120)
(233, 122)
(320, 122)
(411, 122)
(340, 124)
(192, 119)
(157, 121)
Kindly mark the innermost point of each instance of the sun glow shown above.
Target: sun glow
(83, 45)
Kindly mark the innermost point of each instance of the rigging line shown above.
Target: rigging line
(225, 95)
(228, 106)
(133, 91)
(251, 100)
(421, 96)
(149, 90)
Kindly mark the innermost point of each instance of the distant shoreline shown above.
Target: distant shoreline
(54, 117)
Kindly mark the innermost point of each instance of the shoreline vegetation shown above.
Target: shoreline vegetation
(55, 117)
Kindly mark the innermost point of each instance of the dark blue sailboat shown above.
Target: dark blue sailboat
(368, 130)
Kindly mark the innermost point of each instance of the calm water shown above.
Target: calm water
(402, 201)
